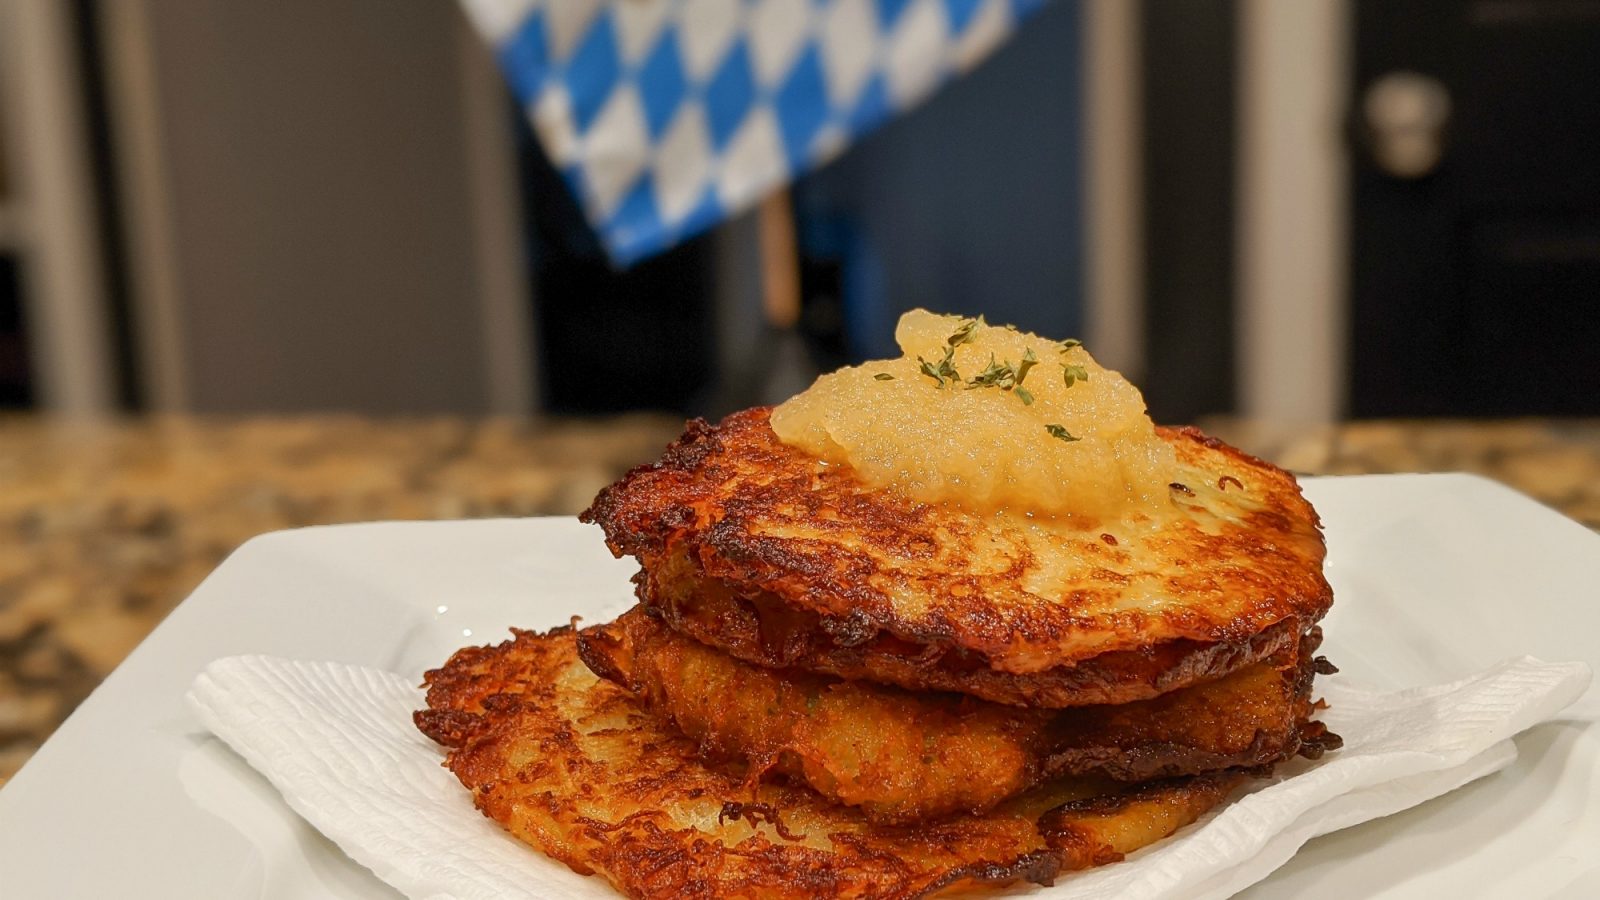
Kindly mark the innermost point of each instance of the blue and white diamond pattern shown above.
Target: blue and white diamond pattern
(667, 116)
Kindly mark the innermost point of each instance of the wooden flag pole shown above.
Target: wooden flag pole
(780, 261)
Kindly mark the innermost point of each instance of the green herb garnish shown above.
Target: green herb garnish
(1056, 431)
(945, 370)
(1070, 344)
(1007, 377)
(965, 331)
(999, 375)
(1072, 374)
(1028, 362)
(883, 376)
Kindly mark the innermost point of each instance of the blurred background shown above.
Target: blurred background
(267, 265)
(1294, 211)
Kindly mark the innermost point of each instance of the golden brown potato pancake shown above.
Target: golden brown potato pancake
(575, 767)
(1008, 606)
(762, 629)
(905, 757)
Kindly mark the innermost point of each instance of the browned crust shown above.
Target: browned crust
(763, 630)
(1255, 716)
(1089, 830)
(574, 767)
(908, 756)
(767, 520)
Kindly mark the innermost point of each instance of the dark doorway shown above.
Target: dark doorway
(1476, 208)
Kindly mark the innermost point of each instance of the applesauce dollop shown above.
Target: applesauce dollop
(988, 417)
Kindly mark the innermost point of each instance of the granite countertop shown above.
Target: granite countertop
(105, 527)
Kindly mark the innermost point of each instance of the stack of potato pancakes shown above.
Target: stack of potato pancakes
(961, 617)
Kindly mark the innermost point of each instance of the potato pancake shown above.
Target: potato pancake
(574, 766)
(762, 629)
(1005, 605)
(905, 757)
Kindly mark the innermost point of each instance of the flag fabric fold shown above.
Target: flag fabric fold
(666, 116)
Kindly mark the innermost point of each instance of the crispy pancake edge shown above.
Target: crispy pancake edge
(765, 631)
(571, 765)
(905, 756)
(873, 562)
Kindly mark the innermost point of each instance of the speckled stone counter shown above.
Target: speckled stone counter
(104, 528)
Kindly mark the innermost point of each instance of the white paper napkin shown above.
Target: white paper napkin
(338, 742)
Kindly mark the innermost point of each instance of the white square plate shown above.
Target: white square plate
(1434, 576)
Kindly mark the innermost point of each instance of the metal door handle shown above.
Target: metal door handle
(1405, 116)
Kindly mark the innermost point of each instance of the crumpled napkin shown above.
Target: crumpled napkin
(338, 742)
